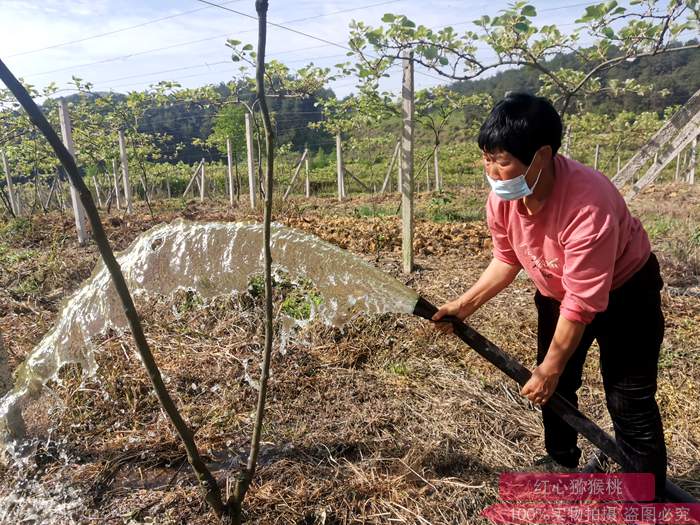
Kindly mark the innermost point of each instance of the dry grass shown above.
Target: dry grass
(383, 421)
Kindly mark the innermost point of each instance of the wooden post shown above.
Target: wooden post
(618, 163)
(436, 168)
(116, 183)
(407, 110)
(693, 159)
(307, 183)
(10, 188)
(67, 133)
(125, 171)
(677, 175)
(597, 156)
(249, 153)
(229, 165)
(340, 167)
(427, 177)
(386, 185)
(167, 187)
(202, 181)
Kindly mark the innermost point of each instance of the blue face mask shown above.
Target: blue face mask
(513, 189)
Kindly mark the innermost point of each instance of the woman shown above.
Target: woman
(569, 228)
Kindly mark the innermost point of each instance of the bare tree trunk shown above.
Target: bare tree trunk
(407, 164)
(436, 167)
(207, 482)
(235, 502)
(238, 177)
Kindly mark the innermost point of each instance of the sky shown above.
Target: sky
(184, 40)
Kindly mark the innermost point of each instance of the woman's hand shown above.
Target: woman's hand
(459, 308)
(542, 384)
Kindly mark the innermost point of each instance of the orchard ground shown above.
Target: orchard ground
(381, 421)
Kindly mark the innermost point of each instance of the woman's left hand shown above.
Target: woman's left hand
(541, 384)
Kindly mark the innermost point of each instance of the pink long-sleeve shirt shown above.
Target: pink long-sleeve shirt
(583, 243)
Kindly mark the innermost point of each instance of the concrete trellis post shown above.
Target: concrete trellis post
(194, 179)
(67, 133)
(116, 184)
(14, 204)
(97, 191)
(675, 130)
(307, 183)
(386, 185)
(567, 140)
(340, 166)
(229, 166)
(664, 155)
(296, 174)
(407, 111)
(597, 157)
(125, 171)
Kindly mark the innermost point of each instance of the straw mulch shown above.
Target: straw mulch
(383, 421)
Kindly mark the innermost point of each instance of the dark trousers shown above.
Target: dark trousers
(629, 334)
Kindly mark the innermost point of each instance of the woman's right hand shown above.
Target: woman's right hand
(458, 308)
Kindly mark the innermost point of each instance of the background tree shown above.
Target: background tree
(620, 34)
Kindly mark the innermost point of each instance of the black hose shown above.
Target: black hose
(563, 408)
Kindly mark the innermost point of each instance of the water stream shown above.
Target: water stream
(212, 259)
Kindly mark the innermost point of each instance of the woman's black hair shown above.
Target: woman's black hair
(521, 124)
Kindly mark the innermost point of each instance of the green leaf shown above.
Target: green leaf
(407, 23)
(608, 32)
(247, 47)
(388, 18)
(528, 10)
(430, 52)
(234, 42)
(235, 58)
(443, 61)
(521, 26)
